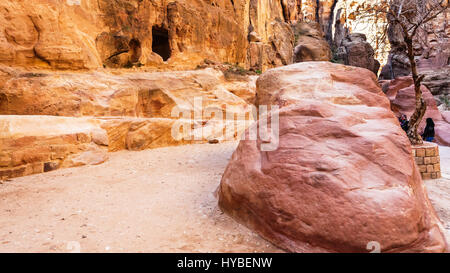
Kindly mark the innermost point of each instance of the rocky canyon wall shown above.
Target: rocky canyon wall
(79, 78)
(88, 34)
(166, 34)
(432, 50)
(340, 18)
(356, 16)
(180, 34)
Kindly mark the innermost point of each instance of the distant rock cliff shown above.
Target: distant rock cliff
(432, 50)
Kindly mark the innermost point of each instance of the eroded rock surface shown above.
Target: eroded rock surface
(354, 50)
(51, 120)
(151, 95)
(36, 144)
(401, 93)
(343, 175)
(432, 51)
(310, 43)
(86, 34)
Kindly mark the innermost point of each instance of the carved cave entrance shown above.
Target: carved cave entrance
(161, 45)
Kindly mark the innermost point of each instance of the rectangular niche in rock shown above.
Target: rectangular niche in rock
(161, 45)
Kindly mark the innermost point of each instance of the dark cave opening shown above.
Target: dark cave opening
(161, 45)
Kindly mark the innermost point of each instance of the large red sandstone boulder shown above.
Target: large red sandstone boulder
(343, 175)
(401, 93)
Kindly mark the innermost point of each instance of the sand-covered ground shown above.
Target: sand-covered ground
(439, 190)
(151, 201)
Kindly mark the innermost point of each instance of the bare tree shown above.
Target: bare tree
(410, 16)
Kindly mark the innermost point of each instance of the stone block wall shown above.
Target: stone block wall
(428, 160)
(38, 154)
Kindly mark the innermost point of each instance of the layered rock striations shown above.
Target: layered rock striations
(64, 119)
(83, 114)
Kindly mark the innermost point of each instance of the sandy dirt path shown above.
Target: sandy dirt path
(439, 190)
(151, 201)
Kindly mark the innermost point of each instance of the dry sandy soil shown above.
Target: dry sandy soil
(151, 201)
(439, 190)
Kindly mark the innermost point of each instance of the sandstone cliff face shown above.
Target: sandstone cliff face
(319, 11)
(86, 34)
(180, 34)
(432, 48)
(355, 16)
(340, 18)
(432, 43)
(177, 34)
(271, 41)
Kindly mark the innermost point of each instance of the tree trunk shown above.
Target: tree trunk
(421, 106)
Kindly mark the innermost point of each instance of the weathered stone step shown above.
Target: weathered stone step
(36, 144)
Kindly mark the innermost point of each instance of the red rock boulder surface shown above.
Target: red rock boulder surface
(343, 176)
(443, 129)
